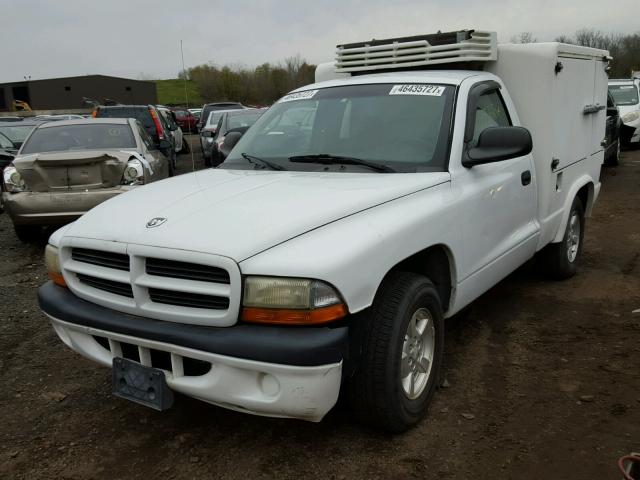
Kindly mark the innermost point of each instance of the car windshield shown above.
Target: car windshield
(243, 119)
(624, 94)
(213, 119)
(5, 142)
(18, 133)
(139, 113)
(89, 136)
(401, 126)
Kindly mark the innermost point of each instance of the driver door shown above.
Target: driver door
(499, 207)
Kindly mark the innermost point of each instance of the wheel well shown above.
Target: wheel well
(585, 194)
(436, 264)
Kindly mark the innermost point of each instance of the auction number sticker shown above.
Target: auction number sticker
(417, 89)
(307, 94)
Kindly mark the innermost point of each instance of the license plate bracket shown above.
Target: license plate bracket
(140, 384)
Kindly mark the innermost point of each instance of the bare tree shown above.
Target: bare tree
(524, 37)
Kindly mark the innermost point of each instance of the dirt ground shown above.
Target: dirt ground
(543, 382)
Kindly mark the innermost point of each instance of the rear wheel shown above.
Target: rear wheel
(172, 163)
(614, 159)
(560, 260)
(186, 148)
(27, 233)
(401, 358)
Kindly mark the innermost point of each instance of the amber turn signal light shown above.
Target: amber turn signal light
(279, 316)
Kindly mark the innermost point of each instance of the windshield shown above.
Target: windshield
(94, 136)
(139, 113)
(243, 119)
(17, 134)
(213, 119)
(624, 94)
(403, 126)
(5, 142)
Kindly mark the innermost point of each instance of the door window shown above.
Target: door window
(490, 112)
(146, 139)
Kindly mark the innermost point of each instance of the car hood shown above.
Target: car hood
(238, 213)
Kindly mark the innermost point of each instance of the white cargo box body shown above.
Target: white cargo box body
(560, 93)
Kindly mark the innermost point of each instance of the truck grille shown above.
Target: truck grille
(189, 271)
(153, 282)
(102, 259)
(183, 299)
(117, 288)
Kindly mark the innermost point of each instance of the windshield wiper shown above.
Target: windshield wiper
(252, 158)
(328, 159)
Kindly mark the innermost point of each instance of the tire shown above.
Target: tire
(27, 233)
(614, 160)
(378, 394)
(172, 164)
(561, 260)
(186, 148)
(206, 159)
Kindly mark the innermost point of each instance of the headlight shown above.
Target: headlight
(631, 117)
(52, 261)
(291, 301)
(133, 173)
(13, 181)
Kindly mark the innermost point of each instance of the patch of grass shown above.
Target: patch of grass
(171, 92)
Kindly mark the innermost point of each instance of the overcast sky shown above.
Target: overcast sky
(136, 38)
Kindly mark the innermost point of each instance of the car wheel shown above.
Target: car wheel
(186, 148)
(172, 164)
(401, 354)
(560, 260)
(27, 233)
(614, 159)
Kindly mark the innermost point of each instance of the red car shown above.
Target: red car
(186, 120)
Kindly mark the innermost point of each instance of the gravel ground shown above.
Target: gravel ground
(542, 382)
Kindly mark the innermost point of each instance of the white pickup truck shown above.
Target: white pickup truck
(354, 217)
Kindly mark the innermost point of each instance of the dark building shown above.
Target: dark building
(71, 92)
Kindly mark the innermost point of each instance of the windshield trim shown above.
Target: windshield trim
(442, 148)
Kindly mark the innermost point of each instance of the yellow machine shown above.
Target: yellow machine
(20, 106)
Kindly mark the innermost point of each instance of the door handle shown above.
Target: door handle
(526, 177)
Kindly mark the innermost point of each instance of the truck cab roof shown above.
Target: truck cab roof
(446, 77)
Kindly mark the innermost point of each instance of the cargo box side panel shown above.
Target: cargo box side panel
(551, 84)
(528, 73)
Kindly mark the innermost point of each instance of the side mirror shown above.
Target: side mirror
(165, 145)
(499, 143)
(230, 141)
(612, 112)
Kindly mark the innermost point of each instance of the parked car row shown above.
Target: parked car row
(218, 125)
(57, 167)
(55, 171)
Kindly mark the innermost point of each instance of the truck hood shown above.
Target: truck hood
(72, 170)
(238, 213)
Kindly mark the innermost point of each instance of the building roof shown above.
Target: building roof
(74, 78)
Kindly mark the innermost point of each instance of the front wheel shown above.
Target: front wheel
(27, 233)
(173, 164)
(186, 148)
(560, 260)
(401, 357)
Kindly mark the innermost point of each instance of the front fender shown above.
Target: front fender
(355, 253)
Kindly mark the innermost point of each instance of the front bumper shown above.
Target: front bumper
(264, 370)
(54, 208)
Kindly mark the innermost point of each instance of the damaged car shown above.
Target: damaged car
(65, 168)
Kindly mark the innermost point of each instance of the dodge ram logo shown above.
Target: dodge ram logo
(156, 222)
